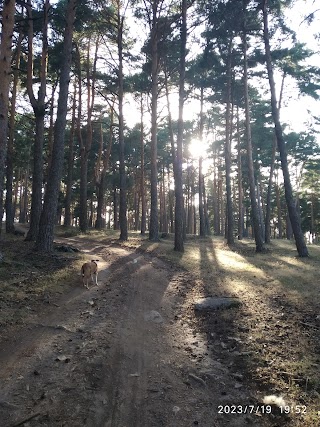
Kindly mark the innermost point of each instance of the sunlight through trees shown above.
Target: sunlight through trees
(171, 116)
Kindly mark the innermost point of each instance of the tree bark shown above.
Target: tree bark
(5, 69)
(122, 168)
(154, 221)
(202, 227)
(229, 206)
(47, 220)
(69, 181)
(115, 210)
(23, 203)
(85, 146)
(240, 188)
(142, 178)
(51, 127)
(268, 199)
(292, 211)
(272, 165)
(221, 204)
(10, 151)
(206, 209)
(101, 176)
(215, 195)
(38, 105)
(179, 208)
(279, 207)
(253, 197)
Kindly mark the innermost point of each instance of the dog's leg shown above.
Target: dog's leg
(94, 278)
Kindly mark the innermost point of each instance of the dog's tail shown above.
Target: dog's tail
(82, 271)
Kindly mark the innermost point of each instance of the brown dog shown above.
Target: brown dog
(88, 270)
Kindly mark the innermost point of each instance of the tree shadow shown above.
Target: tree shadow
(269, 343)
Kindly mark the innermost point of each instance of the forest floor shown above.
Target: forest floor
(134, 352)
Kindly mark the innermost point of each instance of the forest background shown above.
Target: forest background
(160, 117)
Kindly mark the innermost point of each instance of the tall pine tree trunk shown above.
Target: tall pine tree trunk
(271, 173)
(206, 209)
(215, 195)
(37, 178)
(253, 196)
(292, 211)
(23, 203)
(267, 231)
(240, 188)
(51, 126)
(10, 151)
(122, 168)
(229, 206)
(83, 221)
(179, 206)
(70, 165)
(47, 220)
(279, 207)
(100, 176)
(5, 70)
(38, 105)
(142, 178)
(85, 146)
(202, 227)
(154, 223)
(115, 209)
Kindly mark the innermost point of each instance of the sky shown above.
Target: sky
(296, 111)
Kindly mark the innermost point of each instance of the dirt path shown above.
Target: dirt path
(126, 353)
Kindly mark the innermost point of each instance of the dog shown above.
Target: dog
(88, 270)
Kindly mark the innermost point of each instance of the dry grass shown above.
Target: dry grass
(29, 278)
(280, 266)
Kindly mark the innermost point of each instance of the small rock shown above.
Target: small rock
(238, 385)
(198, 379)
(153, 316)
(176, 409)
(62, 358)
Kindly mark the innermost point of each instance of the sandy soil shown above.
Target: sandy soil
(126, 353)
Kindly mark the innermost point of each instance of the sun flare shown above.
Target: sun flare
(198, 148)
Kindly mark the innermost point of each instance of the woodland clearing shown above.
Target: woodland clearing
(133, 352)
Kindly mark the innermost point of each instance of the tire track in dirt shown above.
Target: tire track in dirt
(93, 365)
(136, 357)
